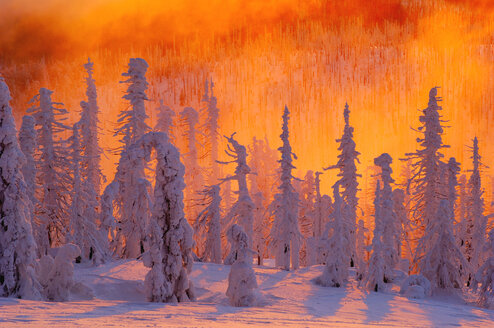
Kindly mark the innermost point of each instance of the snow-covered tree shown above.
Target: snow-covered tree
(241, 211)
(133, 120)
(57, 275)
(17, 245)
(27, 142)
(360, 247)
(108, 222)
(209, 219)
(484, 278)
(462, 222)
(443, 264)
(321, 210)
(390, 225)
(426, 176)
(89, 125)
(285, 233)
(346, 165)
(83, 231)
(133, 203)
(375, 279)
(316, 245)
(306, 213)
(336, 270)
(194, 181)
(211, 130)
(476, 229)
(51, 214)
(170, 235)
(260, 227)
(401, 215)
(165, 119)
(242, 279)
(262, 161)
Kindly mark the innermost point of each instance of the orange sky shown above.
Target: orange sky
(380, 56)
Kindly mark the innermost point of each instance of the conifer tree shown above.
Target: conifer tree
(28, 144)
(242, 279)
(476, 220)
(89, 129)
(169, 256)
(390, 225)
(83, 231)
(484, 277)
(165, 119)
(375, 279)
(336, 270)
(360, 247)
(211, 129)
(133, 121)
(306, 213)
(241, 211)
(285, 233)
(346, 165)
(194, 181)
(443, 264)
(17, 245)
(133, 201)
(426, 176)
(51, 214)
(209, 219)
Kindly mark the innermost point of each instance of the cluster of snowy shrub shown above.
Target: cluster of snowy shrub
(53, 210)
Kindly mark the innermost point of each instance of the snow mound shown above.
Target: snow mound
(416, 286)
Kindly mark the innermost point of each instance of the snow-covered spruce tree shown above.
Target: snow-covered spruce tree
(241, 212)
(90, 161)
(453, 169)
(476, 228)
(336, 270)
(27, 142)
(233, 237)
(133, 203)
(306, 214)
(360, 249)
(285, 233)
(51, 214)
(242, 279)
(320, 212)
(83, 231)
(165, 119)
(262, 161)
(375, 279)
(316, 248)
(17, 246)
(260, 227)
(170, 235)
(133, 197)
(426, 176)
(484, 278)
(443, 264)
(108, 222)
(401, 214)
(390, 225)
(461, 226)
(346, 165)
(211, 129)
(133, 121)
(194, 181)
(57, 275)
(209, 219)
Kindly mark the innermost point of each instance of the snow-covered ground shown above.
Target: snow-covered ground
(290, 299)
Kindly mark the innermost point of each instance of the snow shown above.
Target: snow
(290, 301)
